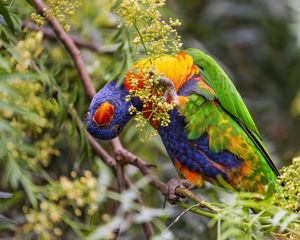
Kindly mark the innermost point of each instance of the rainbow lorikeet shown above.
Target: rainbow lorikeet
(211, 133)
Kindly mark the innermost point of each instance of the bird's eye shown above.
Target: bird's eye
(87, 115)
(104, 114)
(117, 128)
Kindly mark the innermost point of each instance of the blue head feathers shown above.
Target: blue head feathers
(108, 112)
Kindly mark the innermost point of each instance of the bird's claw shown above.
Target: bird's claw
(171, 187)
(169, 89)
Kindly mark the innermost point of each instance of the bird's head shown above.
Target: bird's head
(108, 112)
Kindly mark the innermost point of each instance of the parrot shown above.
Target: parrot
(211, 136)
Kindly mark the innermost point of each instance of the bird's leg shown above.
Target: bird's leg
(169, 89)
(171, 187)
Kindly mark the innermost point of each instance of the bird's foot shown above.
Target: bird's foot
(172, 185)
(169, 89)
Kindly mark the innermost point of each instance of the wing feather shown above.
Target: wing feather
(229, 98)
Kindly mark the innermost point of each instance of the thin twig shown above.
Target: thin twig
(90, 92)
(145, 169)
(121, 154)
(195, 198)
(121, 187)
(147, 226)
(180, 215)
(88, 86)
(11, 3)
(70, 47)
(117, 148)
(109, 160)
(79, 42)
(196, 210)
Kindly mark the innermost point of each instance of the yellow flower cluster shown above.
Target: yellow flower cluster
(290, 182)
(30, 99)
(156, 35)
(37, 19)
(60, 9)
(77, 194)
(144, 84)
(45, 221)
(104, 15)
(30, 47)
(147, 80)
(81, 192)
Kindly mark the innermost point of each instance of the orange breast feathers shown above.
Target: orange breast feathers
(192, 177)
(177, 68)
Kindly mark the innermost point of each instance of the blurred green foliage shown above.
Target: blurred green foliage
(61, 190)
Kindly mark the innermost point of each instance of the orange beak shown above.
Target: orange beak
(104, 114)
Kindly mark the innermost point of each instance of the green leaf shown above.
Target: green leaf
(3, 35)
(16, 21)
(4, 12)
(270, 191)
(30, 2)
(13, 199)
(26, 114)
(4, 64)
(15, 75)
(118, 34)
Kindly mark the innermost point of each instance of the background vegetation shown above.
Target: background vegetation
(61, 189)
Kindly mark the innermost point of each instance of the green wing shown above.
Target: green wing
(229, 97)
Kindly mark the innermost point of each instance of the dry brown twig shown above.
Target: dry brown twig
(79, 42)
(122, 156)
(69, 46)
(90, 91)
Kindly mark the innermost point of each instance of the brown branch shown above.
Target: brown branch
(125, 156)
(147, 226)
(70, 47)
(90, 92)
(119, 172)
(118, 149)
(121, 187)
(79, 42)
(145, 169)
(143, 166)
(121, 154)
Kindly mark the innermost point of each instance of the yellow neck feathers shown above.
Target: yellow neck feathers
(177, 68)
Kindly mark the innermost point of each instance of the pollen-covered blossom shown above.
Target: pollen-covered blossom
(78, 195)
(290, 182)
(60, 9)
(157, 36)
(155, 107)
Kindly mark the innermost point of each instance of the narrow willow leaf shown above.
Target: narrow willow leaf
(11, 200)
(4, 12)
(30, 2)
